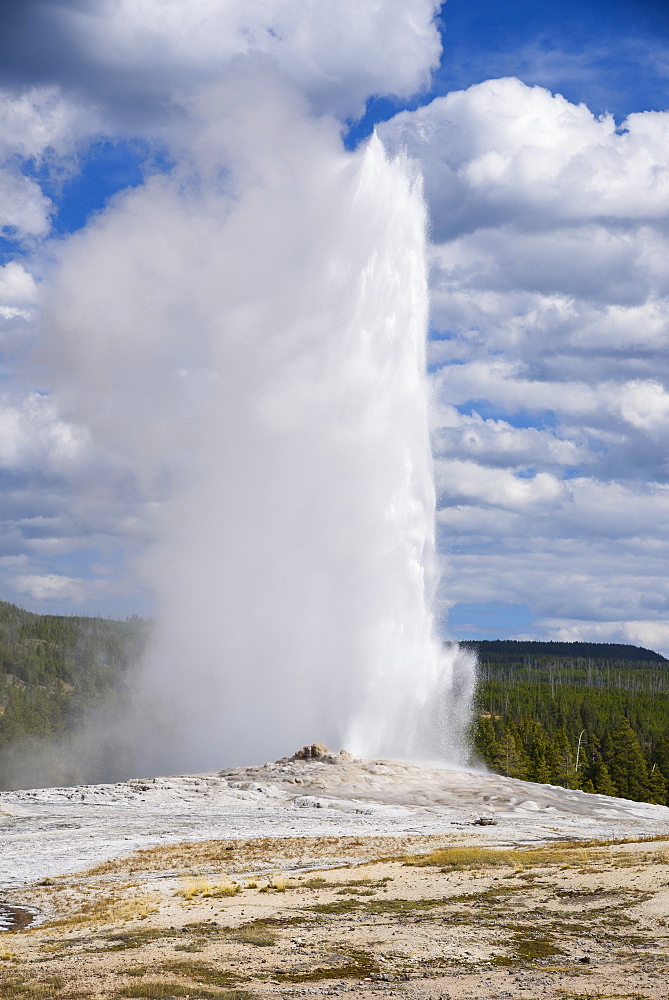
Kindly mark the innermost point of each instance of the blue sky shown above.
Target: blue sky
(612, 57)
(549, 282)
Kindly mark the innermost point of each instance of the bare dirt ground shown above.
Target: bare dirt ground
(465, 912)
(564, 920)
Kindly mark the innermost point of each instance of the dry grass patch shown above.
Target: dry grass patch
(356, 886)
(40, 989)
(167, 990)
(205, 889)
(581, 854)
(354, 964)
(163, 990)
(257, 933)
(198, 972)
(261, 853)
(109, 910)
(193, 979)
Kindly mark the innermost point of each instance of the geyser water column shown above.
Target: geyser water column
(272, 294)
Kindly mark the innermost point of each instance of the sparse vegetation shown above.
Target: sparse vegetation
(199, 972)
(279, 883)
(167, 989)
(257, 933)
(478, 910)
(136, 938)
(354, 964)
(582, 853)
(202, 887)
(42, 989)
(337, 906)
(108, 909)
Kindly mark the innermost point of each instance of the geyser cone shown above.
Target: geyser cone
(280, 299)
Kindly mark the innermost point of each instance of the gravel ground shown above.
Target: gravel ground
(368, 878)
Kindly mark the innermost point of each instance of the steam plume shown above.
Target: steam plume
(250, 329)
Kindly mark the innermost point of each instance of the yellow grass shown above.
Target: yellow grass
(279, 882)
(205, 889)
(110, 910)
(565, 855)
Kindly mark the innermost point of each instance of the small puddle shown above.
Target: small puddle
(16, 918)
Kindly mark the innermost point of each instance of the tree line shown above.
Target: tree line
(595, 717)
(54, 669)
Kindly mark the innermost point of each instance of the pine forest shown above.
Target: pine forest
(593, 716)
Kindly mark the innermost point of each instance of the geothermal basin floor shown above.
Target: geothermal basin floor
(304, 878)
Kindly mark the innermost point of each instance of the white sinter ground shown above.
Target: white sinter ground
(51, 831)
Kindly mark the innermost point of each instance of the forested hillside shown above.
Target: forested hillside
(55, 669)
(584, 715)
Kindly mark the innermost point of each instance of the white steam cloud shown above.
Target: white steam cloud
(250, 332)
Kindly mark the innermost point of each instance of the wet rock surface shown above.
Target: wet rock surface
(16, 918)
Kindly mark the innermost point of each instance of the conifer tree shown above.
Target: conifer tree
(536, 746)
(513, 761)
(626, 762)
(661, 755)
(564, 761)
(484, 739)
(595, 775)
(657, 784)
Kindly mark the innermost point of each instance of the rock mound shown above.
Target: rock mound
(318, 751)
(314, 751)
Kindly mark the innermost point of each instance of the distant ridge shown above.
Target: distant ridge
(492, 649)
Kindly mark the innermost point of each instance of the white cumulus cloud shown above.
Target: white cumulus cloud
(135, 55)
(42, 126)
(550, 309)
(32, 436)
(505, 152)
(18, 291)
(47, 587)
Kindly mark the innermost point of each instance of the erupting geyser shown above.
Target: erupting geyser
(268, 299)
